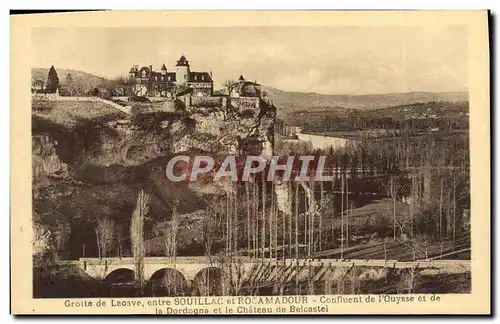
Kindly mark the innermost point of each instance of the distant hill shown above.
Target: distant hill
(87, 80)
(287, 101)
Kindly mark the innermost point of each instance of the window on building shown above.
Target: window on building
(156, 78)
(143, 73)
(169, 78)
(202, 77)
(196, 78)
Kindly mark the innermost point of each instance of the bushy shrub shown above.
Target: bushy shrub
(138, 99)
(42, 105)
(247, 113)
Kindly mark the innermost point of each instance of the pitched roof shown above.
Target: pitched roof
(138, 72)
(241, 78)
(199, 77)
(182, 61)
(163, 67)
(159, 75)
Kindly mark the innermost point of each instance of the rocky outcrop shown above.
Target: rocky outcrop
(41, 242)
(93, 164)
(149, 135)
(46, 164)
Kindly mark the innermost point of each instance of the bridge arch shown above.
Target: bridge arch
(120, 276)
(169, 282)
(120, 282)
(209, 281)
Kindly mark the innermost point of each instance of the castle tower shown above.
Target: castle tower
(132, 72)
(240, 85)
(182, 71)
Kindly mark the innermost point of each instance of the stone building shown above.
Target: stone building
(247, 88)
(147, 82)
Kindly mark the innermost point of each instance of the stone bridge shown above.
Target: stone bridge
(189, 267)
(244, 268)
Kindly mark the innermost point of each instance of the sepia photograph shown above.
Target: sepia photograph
(271, 163)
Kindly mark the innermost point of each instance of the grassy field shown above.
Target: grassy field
(68, 113)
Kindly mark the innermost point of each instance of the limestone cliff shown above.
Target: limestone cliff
(89, 161)
(45, 161)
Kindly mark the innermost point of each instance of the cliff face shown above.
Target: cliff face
(148, 134)
(45, 161)
(88, 164)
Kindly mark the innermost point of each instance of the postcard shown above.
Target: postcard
(250, 162)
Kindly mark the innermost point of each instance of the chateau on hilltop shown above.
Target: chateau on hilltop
(147, 82)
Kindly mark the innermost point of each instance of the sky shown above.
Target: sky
(328, 60)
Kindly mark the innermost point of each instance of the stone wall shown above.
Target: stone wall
(205, 102)
(242, 103)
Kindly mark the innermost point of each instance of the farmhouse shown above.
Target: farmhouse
(148, 82)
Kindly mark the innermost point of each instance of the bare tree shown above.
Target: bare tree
(119, 239)
(422, 244)
(77, 88)
(170, 234)
(263, 237)
(119, 86)
(105, 235)
(212, 226)
(230, 85)
(342, 219)
(392, 190)
(69, 83)
(395, 188)
(62, 234)
(322, 208)
(296, 214)
(408, 280)
(137, 236)
(247, 228)
(255, 219)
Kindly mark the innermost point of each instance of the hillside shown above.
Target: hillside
(287, 101)
(87, 80)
